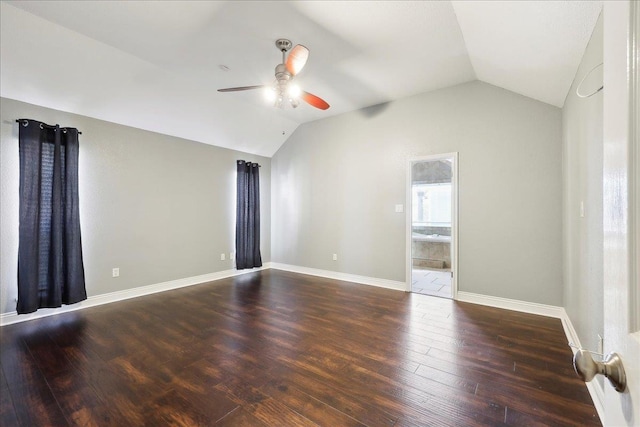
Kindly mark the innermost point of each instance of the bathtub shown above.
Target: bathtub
(430, 238)
(430, 250)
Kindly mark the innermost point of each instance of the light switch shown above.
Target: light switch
(581, 209)
(399, 208)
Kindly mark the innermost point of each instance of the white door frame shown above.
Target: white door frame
(454, 217)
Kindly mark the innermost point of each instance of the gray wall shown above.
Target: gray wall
(335, 183)
(158, 207)
(583, 236)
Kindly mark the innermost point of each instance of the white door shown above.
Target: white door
(621, 207)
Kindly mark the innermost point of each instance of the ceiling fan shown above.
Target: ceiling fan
(283, 87)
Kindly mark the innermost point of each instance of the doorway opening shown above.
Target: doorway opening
(432, 225)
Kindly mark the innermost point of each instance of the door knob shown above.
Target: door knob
(611, 367)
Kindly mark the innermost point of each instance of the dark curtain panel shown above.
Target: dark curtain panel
(248, 216)
(50, 267)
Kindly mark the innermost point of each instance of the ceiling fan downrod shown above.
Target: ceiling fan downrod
(283, 76)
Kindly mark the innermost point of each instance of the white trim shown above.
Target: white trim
(596, 392)
(454, 217)
(597, 395)
(13, 317)
(594, 388)
(336, 275)
(455, 226)
(634, 167)
(511, 304)
(408, 261)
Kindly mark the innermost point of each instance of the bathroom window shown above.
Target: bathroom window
(432, 205)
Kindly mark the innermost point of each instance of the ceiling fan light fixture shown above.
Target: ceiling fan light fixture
(278, 103)
(294, 91)
(270, 94)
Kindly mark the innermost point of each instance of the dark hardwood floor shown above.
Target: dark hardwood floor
(274, 348)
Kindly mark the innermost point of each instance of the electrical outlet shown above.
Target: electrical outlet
(115, 272)
(232, 255)
(335, 257)
(222, 257)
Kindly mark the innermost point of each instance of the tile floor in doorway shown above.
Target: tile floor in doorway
(431, 282)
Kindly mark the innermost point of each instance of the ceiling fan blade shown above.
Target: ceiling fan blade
(314, 101)
(296, 59)
(236, 89)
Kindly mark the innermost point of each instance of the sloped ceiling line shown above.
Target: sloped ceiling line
(156, 65)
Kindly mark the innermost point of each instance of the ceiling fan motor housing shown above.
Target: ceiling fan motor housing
(282, 74)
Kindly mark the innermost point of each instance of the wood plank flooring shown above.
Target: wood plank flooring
(274, 348)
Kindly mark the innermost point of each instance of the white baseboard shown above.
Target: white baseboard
(92, 301)
(511, 304)
(596, 392)
(597, 395)
(594, 387)
(363, 280)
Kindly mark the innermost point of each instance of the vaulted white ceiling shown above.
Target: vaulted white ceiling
(156, 65)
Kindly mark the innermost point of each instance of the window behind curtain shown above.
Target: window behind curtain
(432, 205)
(50, 265)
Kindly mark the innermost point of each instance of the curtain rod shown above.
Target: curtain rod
(26, 123)
(259, 165)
